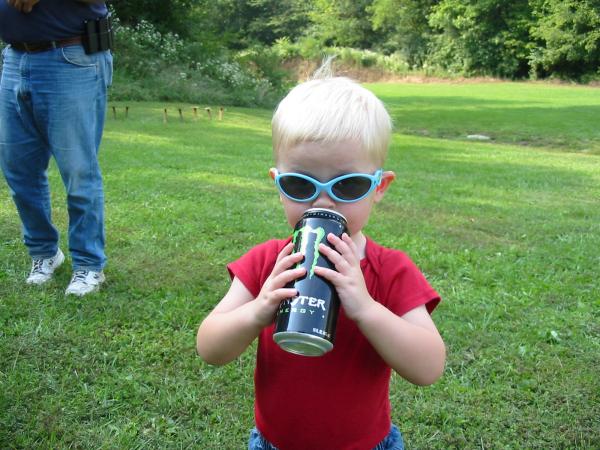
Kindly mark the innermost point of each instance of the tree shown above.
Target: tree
(405, 24)
(343, 23)
(567, 34)
(481, 37)
(242, 24)
(173, 16)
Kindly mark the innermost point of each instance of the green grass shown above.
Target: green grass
(552, 116)
(508, 231)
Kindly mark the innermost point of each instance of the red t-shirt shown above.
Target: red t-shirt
(338, 401)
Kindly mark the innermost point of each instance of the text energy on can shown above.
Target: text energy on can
(305, 324)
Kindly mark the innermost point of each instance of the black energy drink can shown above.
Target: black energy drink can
(305, 324)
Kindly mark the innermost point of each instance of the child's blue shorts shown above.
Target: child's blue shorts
(393, 441)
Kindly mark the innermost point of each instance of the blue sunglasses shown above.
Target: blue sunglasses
(347, 188)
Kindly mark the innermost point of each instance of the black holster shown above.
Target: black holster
(98, 35)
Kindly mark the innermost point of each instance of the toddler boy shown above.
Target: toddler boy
(322, 130)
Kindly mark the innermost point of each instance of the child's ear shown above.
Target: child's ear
(386, 179)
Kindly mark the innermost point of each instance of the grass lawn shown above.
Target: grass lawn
(508, 231)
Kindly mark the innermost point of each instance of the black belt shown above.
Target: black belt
(34, 47)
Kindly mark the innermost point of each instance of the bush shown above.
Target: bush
(308, 49)
(161, 66)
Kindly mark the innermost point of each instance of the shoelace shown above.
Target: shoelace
(79, 275)
(37, 266)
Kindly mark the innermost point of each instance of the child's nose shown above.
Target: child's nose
(323, 201)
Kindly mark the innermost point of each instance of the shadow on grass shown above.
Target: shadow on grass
(517, 122)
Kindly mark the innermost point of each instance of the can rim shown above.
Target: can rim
(331, 211)
(309, 341)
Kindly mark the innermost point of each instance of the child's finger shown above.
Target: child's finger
(286, 262)
(343, 246)
(330, 275)
(287, 276)
(285, 293)
(338, 260)
(350, 243)
(285, 251)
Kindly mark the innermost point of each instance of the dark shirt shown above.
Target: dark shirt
(49, 20)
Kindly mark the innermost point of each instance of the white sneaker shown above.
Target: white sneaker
(42, 269)
(84, 282)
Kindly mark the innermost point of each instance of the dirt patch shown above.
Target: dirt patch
(302, 70)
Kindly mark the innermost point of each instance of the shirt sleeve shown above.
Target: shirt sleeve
(404, 286)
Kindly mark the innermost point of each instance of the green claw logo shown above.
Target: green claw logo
(304, 231)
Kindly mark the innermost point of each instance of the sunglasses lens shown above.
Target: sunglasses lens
(296, 187)
(351, 188)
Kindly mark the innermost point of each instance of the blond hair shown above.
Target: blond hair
(332, 109)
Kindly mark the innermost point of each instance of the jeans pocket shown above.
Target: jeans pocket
(75, 55)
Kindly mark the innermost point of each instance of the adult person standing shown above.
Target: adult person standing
(53, 89)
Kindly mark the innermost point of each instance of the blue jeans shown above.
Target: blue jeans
(393, 441)
(53, 103)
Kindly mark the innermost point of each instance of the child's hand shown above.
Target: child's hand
(348, 280)
(274, 291)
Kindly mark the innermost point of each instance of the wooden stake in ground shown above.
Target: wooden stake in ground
(208, 112)
(165, 116)
(180, 115)
(126, 112)
(221, 113)
(114, 112)
(195, 113)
